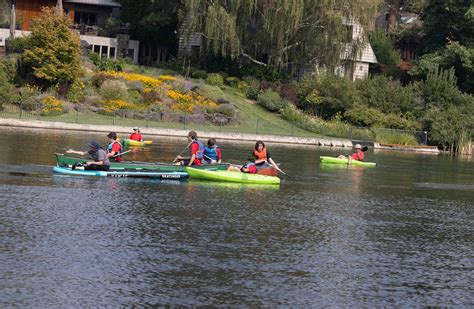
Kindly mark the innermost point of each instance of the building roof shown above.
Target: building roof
(366, 54)
(110, 3)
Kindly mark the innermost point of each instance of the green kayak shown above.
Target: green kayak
(63, 160)
(226, 176)
(333, 160)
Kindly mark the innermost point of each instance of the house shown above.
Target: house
(355, 66)
(89, 18)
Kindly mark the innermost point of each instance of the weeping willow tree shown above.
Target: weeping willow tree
(276, 33)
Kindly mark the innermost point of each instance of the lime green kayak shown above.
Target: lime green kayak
(333, 160)
(130, 142)
(227, 176)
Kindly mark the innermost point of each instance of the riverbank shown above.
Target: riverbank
(279, 139)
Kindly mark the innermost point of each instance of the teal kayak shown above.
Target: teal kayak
(226, 176)
(122, 173)
(333, 160)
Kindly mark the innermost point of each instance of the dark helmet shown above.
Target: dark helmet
(94, 144)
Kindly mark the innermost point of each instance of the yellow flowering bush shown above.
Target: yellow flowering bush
(51, 106)
(185, 102)
(111, 106)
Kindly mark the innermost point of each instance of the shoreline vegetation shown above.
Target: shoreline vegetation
(81, 87)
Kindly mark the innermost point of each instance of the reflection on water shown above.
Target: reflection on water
(396, 235)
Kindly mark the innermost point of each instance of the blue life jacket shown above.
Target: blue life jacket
(211, 153)
(200, 152)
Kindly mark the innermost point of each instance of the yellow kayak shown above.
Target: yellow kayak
(131, 142)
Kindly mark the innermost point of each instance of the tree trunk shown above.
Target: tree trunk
(393, 14)
(60, 5)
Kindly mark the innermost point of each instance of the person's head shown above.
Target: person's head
(136, 130)
(112, 135)
(358, 147)
(211, 142)
(192, 135)
(94, 145)
(259, 145)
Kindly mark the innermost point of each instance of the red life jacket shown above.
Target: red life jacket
(359, 156)
(118, 157)
(260, 155)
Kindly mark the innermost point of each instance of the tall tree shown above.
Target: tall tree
(53, 53)
(152, 21)
(281, 32)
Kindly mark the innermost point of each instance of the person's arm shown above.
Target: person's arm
(141, 137)
(81, 153)
(192, 160)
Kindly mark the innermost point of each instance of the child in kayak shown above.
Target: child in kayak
(248, 167)
(357, 155)
(196, 150)
(212, 152)
(101, 161)
(136, 136)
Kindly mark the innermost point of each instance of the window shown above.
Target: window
(112, 52)
(85, 18)
(97, 49)
(105, 49)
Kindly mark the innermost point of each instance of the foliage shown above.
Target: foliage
(6, 95)
(273, 33)
(383, 48)
(112, 105)
(199, 74)
(76, 92)
(106, 64)
(232, 81)
(388, 96)
(51, 106)
(17, 44)
(53, 54)
(445, 21)
(271, 100)
(362, 115)
(29, 97)
(454, 55)
(215, 79)
(9, 66)
(227, 109)
(395, 137)
(114, 90)
(288, 92)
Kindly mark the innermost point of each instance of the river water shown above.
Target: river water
(400, 234)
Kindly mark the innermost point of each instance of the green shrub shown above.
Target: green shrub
(242, 86)
(394, 137)
(76, 92)
(226, 109)
(363, 116)
(271, 100)
(17, 44)
(232, 81)
(108, 64)
(114, 90)
(199, 74)
(394, 121)
(253, 87)
(384, 48)
(215, 79)
(30, 97)
(9, 66)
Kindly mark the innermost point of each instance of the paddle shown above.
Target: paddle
(182, 152)
(119, 154)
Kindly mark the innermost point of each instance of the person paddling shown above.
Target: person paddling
(136, 135)
(114, 148)
(212, 152)
(101, 161)
(248, 167)
(197, 151)
(357, 155)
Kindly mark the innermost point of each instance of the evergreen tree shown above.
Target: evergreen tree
(53, 52)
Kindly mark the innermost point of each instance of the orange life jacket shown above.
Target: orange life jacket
(260, 155)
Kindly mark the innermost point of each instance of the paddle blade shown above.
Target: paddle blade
(365, 148)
